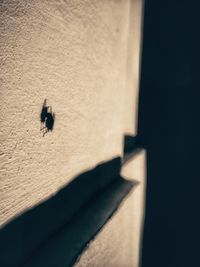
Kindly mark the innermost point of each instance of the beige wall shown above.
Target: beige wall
(133, 64)
(118, 244)
(77, 54)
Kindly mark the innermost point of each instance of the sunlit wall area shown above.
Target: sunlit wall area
(69, 75)
(134, 52)
(74, 54)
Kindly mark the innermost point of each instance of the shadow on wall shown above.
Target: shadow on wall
(47, 118)
(30, 232)
(20, 238)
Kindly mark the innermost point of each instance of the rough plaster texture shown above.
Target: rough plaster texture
(76, 54)
(118, 244)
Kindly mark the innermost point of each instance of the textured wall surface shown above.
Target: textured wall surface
(133, 64)
(118, 244)
(76, 54)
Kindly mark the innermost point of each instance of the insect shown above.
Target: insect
(47, 118)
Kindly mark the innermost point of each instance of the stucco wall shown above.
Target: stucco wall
(77, 55)
(118, 244)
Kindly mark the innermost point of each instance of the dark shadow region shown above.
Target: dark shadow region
(47, 118)
(131, 147)
(66, 246)
(26, 234)
(55, 232)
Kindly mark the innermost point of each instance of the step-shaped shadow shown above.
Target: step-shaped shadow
(55, 232)
(25, 234)
(67, 245)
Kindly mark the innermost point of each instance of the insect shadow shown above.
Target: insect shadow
(47, 118)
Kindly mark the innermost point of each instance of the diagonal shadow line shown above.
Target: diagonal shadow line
(67, 245)
(24, 234)
(21, 238)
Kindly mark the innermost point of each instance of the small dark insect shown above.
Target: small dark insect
(47, 118)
